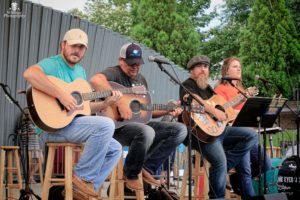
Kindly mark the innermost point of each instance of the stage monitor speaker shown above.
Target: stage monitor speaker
(277, 196)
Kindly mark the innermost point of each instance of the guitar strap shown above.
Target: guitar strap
(211, 89)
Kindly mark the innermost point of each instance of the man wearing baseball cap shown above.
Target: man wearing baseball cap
(151, 143)
(223, 152)
(101, 152)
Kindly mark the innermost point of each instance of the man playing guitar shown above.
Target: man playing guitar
(101, 151)
(226, 150)
(151, 143)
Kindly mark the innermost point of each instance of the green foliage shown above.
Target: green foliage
(171, 33)
(223, 41)
(268, 43)
(109, 14)
(78, 13)
(269, 47)
(196, 11)
(294, 7)
(237, 11)
(169, 27)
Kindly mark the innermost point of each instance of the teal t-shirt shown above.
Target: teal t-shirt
(57, 66)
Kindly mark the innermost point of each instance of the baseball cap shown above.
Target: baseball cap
(132, 53)
(76, 36)
(198, 60)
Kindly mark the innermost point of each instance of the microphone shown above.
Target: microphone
(157, 60)
(3, 85)
(265, 81)
(229, 79)
(21, 91)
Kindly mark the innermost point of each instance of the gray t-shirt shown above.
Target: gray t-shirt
(116, 74)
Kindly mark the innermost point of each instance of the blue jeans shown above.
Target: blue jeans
(248, 168)
(149, 144)
(225, 153)
(101, 152)
(255, 162)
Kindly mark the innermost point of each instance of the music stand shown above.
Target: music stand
(260, 112)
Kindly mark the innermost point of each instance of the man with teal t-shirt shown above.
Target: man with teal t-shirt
(101, 151)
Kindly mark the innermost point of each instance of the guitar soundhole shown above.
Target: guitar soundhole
(77, 96)
(220, 108)
(135, 106)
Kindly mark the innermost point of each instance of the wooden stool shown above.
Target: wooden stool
(69, 148)
(229, 193)
(178, 163)
(12, 155)
(116, 191)
(197, 173)
(39, 162)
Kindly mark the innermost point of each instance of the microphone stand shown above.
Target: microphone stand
(27, 192)
(189, 128)
(238, 89)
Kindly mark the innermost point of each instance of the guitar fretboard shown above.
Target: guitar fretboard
(234, 101)
(98, 95)
(157, 107)
(171, 107)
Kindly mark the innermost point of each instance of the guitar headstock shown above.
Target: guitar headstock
(139, 89)
(252, 91)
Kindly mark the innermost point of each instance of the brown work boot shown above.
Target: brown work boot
(84, 186)
(148, 178)
(133, 184)
(77, 194)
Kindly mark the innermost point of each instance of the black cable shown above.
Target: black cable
(27, 192)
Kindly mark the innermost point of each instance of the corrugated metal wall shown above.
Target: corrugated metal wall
(35, 33)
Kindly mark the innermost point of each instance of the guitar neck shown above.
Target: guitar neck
(234, 101)
(98, 95)
(167, 107)
(157, 107)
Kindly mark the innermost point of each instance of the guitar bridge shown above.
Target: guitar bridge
(62, 107)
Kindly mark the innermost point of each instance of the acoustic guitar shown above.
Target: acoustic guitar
(142, 108)
(50, 115)
(206, 127)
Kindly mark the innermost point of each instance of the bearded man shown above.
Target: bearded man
(226, 151)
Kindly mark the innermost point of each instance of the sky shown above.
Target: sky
(62, 5)
(65, 5)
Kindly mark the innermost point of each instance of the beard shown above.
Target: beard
(202, 81)
(72, 59)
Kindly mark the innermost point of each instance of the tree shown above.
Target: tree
(160, 27)
(78, 13)
(116, 17)
(223, 41)
(169, 27)
(196, 10)
(294, 7)
(269, 46)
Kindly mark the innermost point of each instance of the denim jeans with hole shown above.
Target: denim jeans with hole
(101, 152)
(149, 144)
